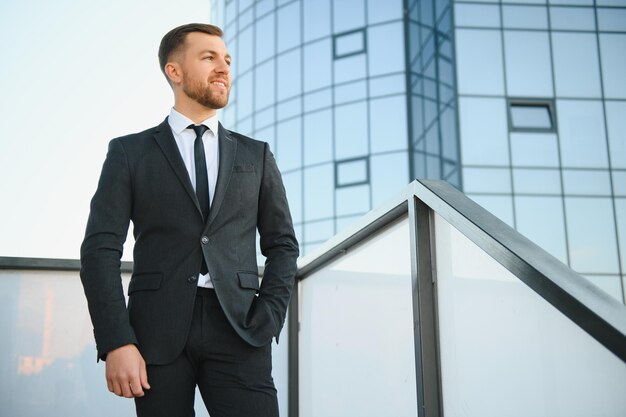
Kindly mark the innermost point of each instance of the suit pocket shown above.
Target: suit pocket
(249, 280)
(145, 281)
(244, 168)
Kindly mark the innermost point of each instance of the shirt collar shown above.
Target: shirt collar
(179, 122)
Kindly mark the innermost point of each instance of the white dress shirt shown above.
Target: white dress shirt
(185, 139)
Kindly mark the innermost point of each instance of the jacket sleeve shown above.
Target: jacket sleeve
(278, 243)
(101, 253)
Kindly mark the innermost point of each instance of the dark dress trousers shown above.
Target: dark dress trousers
(144, 180)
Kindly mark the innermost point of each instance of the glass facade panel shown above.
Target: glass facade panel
(338, 322)
(392, 84)
(541, 220)
(245, 51)
(264, 86)
(612, 47)
(348, 15)
(612, 20)
(572, 18)
(610, 284)
(535, 149)
(388, 124)
(317, 65)
(289, 74)
(264, 41)
(319, 231)
(619, 183)
(318, 137)
(379, 11)
(591, 232)
(353, 200)
(293, 187)
(479, 62)
(317, 100)
(289, 28)
(387, 182)
(289, 145)
(573, 2)
(352, 172)
(483, 131)
(477, 15)
(319, 204)
(581, 130)
(586, 182)
(487, 180)
(351, 131)
(492, 326)
(317, 23)
(350, 68)
(616, 126)
(524, 17)
(620, 211)
(288, 109)
(350, 92)
(244, 96)
(524, 116)
(528, 66)
(536, 181)
(385, 57)
(349, 43)
(576, 69)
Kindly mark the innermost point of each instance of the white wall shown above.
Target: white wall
(74, 74)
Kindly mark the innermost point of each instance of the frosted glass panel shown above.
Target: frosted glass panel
(48, 356)
(505, 351)
(356, 338)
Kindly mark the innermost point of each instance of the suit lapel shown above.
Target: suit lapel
(227, 150)
(167, 143)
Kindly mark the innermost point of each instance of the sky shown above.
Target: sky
(74, 75)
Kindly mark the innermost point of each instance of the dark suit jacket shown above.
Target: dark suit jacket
(144, 179)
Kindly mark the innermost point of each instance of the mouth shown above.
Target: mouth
(219, 83)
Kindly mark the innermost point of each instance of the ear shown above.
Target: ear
(174, 72)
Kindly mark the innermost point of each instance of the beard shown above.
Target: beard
(203, 94)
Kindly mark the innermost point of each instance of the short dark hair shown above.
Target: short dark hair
(175, 39)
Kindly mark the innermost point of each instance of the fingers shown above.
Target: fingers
(143, 376)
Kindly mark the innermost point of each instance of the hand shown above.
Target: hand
(126, 372)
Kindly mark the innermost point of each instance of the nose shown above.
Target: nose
(222, 67)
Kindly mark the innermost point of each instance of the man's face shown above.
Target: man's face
(205, 67)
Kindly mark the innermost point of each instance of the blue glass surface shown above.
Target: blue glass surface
(528, 66)
(479, 61)
(289, 27)
(389, 175)
(484, 133)
(536, 181)
(581, 133)
(244, 96)
(613, 55)
(533, 116)
(264, 85)
(264, 38)
(541, 220)
(318, 137)
(319, 198)
(356, 90)
(351, 139)
(524, 17)
(316, 23)
(348, 15)
(382, 11)
(350, 68)
(289, 144)
(487, 180)
(535, 149)
(353, 200)
(318, 100)
(388, 124)
(385, 49)
(612, 20)
(620, 214)
(591, 233)
(245, 51)
(616, 127)
(477, 15)
(499, 206)
(576, 64)
(572, 18)
(319, 230)
(245, 18)
(586, 182)
(619, 184)
(317, 65)
(268, 135)
(352, 172)
(289, 74)
(349, 43)
(263, 6)
(390, 84)
(293, 187)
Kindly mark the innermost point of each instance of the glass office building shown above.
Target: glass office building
(521, 105)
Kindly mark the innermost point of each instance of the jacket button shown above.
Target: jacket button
(204, 240)
(192, 279)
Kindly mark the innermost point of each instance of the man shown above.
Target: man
(196, 314)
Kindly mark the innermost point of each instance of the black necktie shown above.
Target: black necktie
(202, 180)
